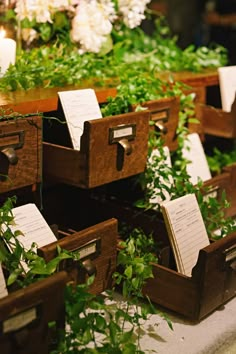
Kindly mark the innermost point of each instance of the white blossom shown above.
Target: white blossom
(132, 11)
(92, 24)
(39, 10)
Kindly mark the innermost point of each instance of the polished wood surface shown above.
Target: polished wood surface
(46, 99)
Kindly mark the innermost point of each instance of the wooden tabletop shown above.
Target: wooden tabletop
(46, 99)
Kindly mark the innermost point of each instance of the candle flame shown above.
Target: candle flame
(2, 33)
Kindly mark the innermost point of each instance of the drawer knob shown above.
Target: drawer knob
(126, 146)
(161, 128)
(89, 267)
(10, 153)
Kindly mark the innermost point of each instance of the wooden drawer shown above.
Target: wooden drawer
(213, 282)
(112, 148)
(218, 122)
(97, 248)
(20, 153)
(26, 313)
(165, 114)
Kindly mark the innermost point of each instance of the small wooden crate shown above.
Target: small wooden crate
(20, 153)
(97, 247)
(26, 313)
(112, 148)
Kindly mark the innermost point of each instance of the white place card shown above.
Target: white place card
(227, 80)
(29, 220)
(79, 106)
(3, 288)
(198, 166)
(186, 231)
(165, 163)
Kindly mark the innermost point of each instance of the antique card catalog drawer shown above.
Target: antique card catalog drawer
(97, 247)
(218, 122)
(213, 282)
(111, 148)
(20, 152)
(26, 313)
(213, 279)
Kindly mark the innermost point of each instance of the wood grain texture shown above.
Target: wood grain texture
(96, 163)
(217, 122)
(27, 171)
(104, 263)
(47, 297)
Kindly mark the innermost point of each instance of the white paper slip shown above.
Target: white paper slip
(79, 106)
(227, 80)
(186, 230)
(194, 152)
(29, 220)
(163, 165)
(3, 288)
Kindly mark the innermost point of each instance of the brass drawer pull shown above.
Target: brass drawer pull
(9, 149)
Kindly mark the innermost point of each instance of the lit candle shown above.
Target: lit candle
(7, 52)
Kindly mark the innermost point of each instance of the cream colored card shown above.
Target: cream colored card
(3, 288)
(29, 220)
(194, 152)
(79, 106)
(186, 230)
(227, 80)
(161, 166)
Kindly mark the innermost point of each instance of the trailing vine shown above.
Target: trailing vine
(132, 52)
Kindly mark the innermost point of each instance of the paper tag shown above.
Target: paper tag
(186, 230)
(88, 250)
(19, 321)
(3, 288)
(29, 220)
(119, 132)
(198, 167)
(227, 80)
(79, 106)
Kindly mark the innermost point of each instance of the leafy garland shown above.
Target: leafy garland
(133, 52)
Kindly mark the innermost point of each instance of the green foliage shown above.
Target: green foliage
(94, 323)
(137, 90)
(98, 324)
(132, 52)
(160, 180)
(24, 266)
(220, 159)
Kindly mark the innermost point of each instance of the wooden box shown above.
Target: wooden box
(112, 148)
(20, 152)
(217, 122)
(96, 246)
(26, 313)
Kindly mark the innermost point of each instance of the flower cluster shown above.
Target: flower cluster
(90, 21)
